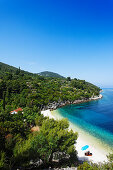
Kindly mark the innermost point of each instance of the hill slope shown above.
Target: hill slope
(11, 69)
(39, 89)
(50, 74)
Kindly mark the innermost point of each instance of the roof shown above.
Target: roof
(17, 110)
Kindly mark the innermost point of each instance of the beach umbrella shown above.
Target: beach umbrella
(85, 147)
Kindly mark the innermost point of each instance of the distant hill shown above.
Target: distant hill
(50, 74)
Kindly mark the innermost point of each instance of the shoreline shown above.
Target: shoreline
(97, 148)
(55, 105)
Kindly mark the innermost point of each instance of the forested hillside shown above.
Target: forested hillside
(50, 74)
(19, 146)
(27, 90)
(4, 68)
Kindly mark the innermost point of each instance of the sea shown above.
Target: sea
(94, 117)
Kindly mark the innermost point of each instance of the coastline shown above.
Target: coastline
(55, 105)
(97, 148)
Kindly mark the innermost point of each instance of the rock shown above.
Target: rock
(55, 105)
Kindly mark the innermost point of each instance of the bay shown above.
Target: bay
(94, 117)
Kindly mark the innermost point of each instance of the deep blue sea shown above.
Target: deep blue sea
(95, 117)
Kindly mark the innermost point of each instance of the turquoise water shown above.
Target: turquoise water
(95, 117)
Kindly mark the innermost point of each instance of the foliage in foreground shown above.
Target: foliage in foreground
(25, 148)
(93, 166)
(42, 146)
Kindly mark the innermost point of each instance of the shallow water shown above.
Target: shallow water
(95, 117)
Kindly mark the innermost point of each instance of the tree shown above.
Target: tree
(35, 148)
(58, 137)
(68, 78)
(4, 100)
(18, 71)
(52, 139)
(3, 164)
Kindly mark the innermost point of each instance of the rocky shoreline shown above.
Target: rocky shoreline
(55, 105)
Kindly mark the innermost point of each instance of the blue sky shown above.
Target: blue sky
(71, 37)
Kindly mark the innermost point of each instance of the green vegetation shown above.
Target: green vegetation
(18, 145)
(28, 90)
(50, 74)
(4, 68)
(94, 166)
